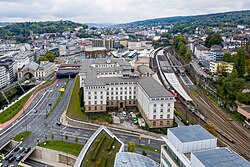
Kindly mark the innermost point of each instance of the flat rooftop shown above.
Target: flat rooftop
(221, 157)
(128, 159)
(191, 133)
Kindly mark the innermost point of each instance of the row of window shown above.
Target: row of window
(112, 93)
(161, 123)
(161, 116)
(95, 87)
(161, 110)
(117, 98)
(95, 108)
(112, 103)
(155, 105)
(121, 88)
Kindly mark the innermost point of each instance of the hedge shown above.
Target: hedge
(98, 148)
(111, 144)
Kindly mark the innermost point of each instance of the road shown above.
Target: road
(42, 128)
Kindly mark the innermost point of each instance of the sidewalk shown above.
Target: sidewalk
(2, 126)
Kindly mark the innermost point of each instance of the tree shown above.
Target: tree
(66, 137)
(50, 56)
(213, 40)
(80, 93)
(240, 62)
(210, 128)
(227, 57)
(131, 146)
(144, 153)
(42, 58)
(52, 136)
(76, 139)
(183, 50)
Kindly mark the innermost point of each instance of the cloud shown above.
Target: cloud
(111, 11)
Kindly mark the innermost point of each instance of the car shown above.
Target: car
(16, 149)
(19, 158)
(21, 149)
(27, 150)
(124, 114)
(11, 159)
(11, 165)
(35, 111)
(4, 165)
(8, 157)
(58, 123)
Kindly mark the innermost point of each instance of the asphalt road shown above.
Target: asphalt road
(42, 128)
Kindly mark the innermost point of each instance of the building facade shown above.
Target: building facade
(7, 74)
(224, 67)
(113, 83)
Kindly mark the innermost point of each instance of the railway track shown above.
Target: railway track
(229, 133)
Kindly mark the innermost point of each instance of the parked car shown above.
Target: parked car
(21, 149)
(8, 157)
(11, 159)
(58, 123)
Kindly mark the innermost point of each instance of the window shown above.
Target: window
(95, 102)
(161, 116)
(112, 88)
(154, 110)
(130, 92)
(89, 93)
(89, 108)
(101, 92)
(101, 102)
(95, 108)
(168, 109)
(107, 93)
(134, 92)
(129, 102)
(154, 123)
(161, 123)
(107, 103)
(95, 97)
(161, 104)
(154, 116)
(168, 115)
(101, 97)
(168, 104)
(101, 108)
(116, 93)
(125, 97)
(120, 97)
(107, 98)
(168, 122)
(89, 97)
(161, 110)
(116, 88)
(121, 92)
(116, 97)
(134, 97)
(95, 93)
(89, 102)
(154, 105)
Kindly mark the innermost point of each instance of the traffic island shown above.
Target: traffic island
(100, 150)
(22, 136)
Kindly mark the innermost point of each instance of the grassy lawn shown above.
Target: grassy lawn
(70, 148)
(22, 136)
(75, 111)
(14, 109)
(58, 100)
(148, 148)
(103, 154)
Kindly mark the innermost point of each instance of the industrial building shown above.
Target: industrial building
(193, 146)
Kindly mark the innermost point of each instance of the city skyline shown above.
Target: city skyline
(108, 11)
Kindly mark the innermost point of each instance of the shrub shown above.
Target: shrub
(111, 144)
(104, 162)
(98, 148)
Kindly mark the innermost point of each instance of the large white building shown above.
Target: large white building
(113, 83)
(7, 74)
(193, 146)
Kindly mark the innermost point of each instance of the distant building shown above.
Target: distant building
(95, 52)
(139, 44)
(97, 42)
(114, 83)
(36, 71)
(224, 67)
(244, 110)
(7, 74)
(193, 146)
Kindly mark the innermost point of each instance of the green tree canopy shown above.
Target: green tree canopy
(50, 56)
(240, 62)
(43, 58)
(213, 40)
(131, 146)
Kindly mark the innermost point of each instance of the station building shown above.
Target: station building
(193, 146)
(114, 83)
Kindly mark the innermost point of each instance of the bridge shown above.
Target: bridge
(68, 70)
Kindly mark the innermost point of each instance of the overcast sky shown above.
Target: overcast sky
(111, 11)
